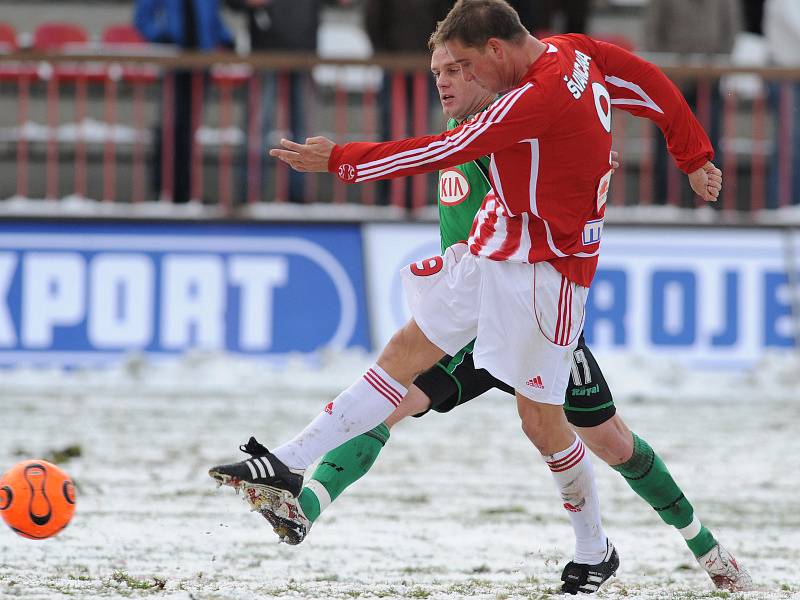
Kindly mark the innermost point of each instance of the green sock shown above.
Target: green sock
(649, 477)
(340, 468)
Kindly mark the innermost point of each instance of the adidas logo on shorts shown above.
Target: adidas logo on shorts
(536, 382)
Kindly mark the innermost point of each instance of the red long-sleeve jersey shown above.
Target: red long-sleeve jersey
(549, 140)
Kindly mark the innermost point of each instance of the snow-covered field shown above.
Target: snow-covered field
(457, 506)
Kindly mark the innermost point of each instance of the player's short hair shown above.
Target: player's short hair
(473, 22)
(434, 42)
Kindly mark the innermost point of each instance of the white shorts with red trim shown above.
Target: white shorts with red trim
(525, 318)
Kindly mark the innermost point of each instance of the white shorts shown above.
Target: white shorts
(525, 318)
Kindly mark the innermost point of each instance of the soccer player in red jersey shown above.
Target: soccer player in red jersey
(588, 405)
(518, 287)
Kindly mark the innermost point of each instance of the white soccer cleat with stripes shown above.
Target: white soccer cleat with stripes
(725, 571)
(263, 472)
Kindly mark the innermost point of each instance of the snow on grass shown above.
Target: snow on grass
(457, 505)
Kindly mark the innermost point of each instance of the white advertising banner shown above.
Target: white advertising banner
(387, 249)
(706, 297)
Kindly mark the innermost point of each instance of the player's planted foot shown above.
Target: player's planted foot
(725, 571)
(263, 470)
(588, 578)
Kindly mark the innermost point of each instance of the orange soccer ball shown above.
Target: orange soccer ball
(37, 499)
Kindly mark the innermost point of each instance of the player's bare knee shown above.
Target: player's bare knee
(409, 352)
(544, 425)
(611, 441)
(399, 352)
(534, 432)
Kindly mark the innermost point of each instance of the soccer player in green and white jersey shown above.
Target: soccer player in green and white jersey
(453, 381)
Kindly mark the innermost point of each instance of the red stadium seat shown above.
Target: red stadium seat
(8, 38)
(12, 71)
(124, 37)
(59, 37)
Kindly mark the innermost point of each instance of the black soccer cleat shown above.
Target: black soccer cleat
(587, 579)
(263, 470)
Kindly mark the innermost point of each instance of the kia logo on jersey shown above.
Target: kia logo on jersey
(453, 187)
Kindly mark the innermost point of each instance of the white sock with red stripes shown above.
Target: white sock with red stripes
(359, 408)
(574, 475)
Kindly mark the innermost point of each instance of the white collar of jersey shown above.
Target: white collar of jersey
(551, 48)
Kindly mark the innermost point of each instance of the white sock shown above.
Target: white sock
(574, 476)
(362, 406)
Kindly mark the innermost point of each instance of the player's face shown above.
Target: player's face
(478, 64)
(459, 97)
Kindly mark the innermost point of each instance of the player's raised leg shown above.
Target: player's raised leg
(451, 383)
(291, 518)
(358, 409)
(449, 286)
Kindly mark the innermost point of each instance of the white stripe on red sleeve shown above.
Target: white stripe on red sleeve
(366, 168)
(439, 149)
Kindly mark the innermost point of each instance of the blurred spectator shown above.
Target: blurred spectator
(685, 28)
(192, 25)
(749, 50)
(281, 26)
(402, 26)
(526, 12)
(555, 16)
(782, 30)
(753, 16)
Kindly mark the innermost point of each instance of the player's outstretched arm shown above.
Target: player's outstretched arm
(313, 156)
(706, 182)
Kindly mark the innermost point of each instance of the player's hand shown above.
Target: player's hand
(707, 182)
(310, 157)
(614, 160)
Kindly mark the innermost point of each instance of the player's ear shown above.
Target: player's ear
(495, 49)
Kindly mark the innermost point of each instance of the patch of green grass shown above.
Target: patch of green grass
(545, 594)
(419, 570)
(64, 590)
(499, 511)
(134, 583)
(330, 577)
(62, 455)
(418, 593)
(414, 499)
(470, 587)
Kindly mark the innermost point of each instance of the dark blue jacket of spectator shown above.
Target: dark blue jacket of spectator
(162, 21)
